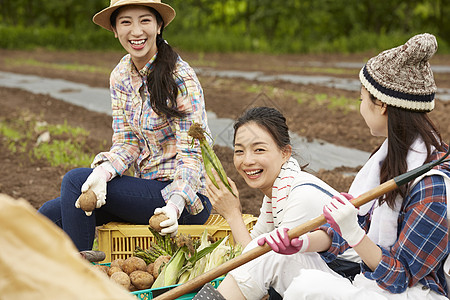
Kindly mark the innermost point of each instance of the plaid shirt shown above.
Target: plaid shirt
(422, 245)
(158, 147)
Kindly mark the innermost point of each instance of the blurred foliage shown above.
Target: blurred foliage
(66, 145)
(291, 26)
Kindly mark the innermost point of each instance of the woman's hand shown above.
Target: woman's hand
(222, 200)
(96, 182)
(169, 226)
(342, 216)
(279, 241)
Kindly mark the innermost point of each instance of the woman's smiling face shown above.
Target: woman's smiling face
(136, 28)
(257, 157)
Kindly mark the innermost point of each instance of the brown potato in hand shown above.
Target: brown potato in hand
(88, 201)
(155, 220)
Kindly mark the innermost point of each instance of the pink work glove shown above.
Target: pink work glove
(342, 216)
(279, 241)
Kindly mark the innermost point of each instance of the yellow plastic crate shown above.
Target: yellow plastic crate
(119, 240)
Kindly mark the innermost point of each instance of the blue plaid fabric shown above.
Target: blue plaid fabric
(422, 245)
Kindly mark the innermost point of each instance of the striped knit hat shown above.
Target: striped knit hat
(402, 76)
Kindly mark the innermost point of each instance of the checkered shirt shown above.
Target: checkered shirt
(158, 147)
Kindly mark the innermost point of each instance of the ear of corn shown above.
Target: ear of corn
(185, 262)
(191, 258)
(201, 260)
(210, 159)
(159, 282)
(174, 266)
(184, 277)
(218, 256)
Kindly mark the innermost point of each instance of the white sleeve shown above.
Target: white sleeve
(304, 203)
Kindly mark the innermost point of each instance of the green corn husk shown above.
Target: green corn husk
(174, 266)
(200, 264)
(169, 273)
(220, 255)
(184, 277)
(210, 159)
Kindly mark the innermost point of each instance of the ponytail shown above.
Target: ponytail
(161, 84)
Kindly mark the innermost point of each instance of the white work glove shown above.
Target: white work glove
(279, 241)
(342, 216)
(172, 210)
(96, 182)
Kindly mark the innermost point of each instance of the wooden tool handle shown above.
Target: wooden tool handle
(312, 224)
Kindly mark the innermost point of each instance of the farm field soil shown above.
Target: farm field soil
(37, 181)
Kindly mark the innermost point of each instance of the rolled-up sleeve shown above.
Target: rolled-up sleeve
(189, 171)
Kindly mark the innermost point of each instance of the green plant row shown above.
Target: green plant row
(29, 38)
(213, 40)
(66, 147)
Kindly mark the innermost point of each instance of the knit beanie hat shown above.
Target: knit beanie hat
(402, 76)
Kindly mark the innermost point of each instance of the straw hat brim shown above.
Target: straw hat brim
(102, 18)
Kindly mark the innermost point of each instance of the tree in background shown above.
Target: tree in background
(239, 25)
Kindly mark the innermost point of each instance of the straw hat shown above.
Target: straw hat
(102, 18)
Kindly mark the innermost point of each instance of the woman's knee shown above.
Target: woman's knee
(52, 210)
(75, 177)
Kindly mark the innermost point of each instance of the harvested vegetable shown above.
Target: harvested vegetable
(132, 264)
(118, 262)
(121, 278)
(210, 159)
(155, 220)
(150, 268)
(141, 279)
(173, 267)
(88, 202)
(113, 270)
(220, 255)
(183, 261)
(200, 264)
(159, 264)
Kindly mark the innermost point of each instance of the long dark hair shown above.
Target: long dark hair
(161, 83)
(404, 126)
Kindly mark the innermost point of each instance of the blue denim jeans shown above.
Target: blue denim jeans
(128, 199)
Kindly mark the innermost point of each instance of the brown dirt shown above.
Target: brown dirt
(37, 181)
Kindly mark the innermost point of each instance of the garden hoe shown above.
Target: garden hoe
(374, 193)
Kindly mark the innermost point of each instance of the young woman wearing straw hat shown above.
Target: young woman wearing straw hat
(155, 96)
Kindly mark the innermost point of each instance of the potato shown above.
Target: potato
(118, 262)
(159, 264)
(113, 270)
(141, 279)
(121, 278)
(155, 220)
(88, 201)
(150, 268)
(132, 288)
(133, 263)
